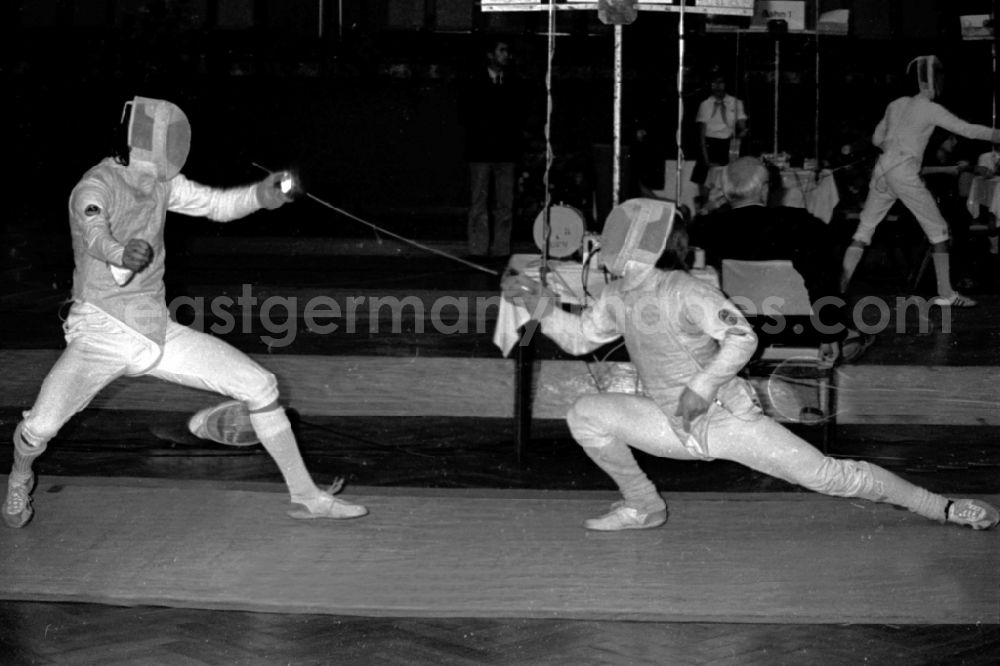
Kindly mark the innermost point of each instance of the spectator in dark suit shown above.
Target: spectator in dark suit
(491, 108)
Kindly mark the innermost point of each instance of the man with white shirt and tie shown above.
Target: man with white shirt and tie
(721, 118)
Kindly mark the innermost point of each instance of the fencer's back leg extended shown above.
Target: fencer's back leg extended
(769, 447)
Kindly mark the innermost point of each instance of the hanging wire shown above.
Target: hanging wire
(547, 224)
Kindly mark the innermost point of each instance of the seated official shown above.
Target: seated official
(749, 230)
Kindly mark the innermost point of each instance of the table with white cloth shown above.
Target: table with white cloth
(577, 286)
(985, 193)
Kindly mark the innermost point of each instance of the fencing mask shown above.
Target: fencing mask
(636, 230)
(929, 72)
(158, 133)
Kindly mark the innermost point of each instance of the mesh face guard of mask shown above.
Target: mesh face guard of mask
(636, 230)
(930, 73)
(158, 133)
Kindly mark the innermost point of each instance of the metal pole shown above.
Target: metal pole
(777, 74)
(616, 157)
(816, 142)
(994, 6)
(680, 105)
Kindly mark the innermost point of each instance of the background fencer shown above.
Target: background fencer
(119, 325)
(688, 342)
(902, 136)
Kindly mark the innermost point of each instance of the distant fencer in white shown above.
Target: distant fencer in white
(902, 136)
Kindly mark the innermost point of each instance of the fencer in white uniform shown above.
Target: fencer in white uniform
(119, 324)
(688, 342)
(902, 136)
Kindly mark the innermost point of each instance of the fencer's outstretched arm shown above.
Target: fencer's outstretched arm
(575, 334)
(222, 205)
(945, 119)
(582, 333)
(707, 309)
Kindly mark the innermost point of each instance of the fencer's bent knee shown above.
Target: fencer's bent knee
(582, 418)
(261, 389)
(576, 416)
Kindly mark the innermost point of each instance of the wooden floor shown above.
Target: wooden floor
(465, 452)
(38, 633)
(499, 553)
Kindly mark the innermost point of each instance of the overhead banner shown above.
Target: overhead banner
(728, 7)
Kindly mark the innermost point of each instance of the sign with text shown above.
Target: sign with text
(792, 12)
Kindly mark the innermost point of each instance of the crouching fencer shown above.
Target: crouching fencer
(687, 342)
(119, 325)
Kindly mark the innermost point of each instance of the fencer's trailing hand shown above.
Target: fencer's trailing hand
(689, 407)
(522, 290)
(270, 193)
(138, 253)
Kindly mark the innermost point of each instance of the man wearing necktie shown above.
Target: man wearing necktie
(492, 110)
(720, 119)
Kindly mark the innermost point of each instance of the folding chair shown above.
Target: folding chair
(773, 297)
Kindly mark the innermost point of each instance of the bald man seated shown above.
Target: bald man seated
(750, 230)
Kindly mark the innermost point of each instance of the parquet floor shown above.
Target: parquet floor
(38, 633)
(445, 453)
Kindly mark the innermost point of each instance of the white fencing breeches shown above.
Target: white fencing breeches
(894, 180)
(612, 422)
(101, 349)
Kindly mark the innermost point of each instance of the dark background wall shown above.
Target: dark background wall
(360, 96)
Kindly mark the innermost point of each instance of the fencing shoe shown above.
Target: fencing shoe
(325, 505)
(625, 517)
(328, 507)
(225, 423)
(17, 511)
(977, 514)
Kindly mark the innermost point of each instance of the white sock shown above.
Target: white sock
(942, 270)
(25, 453)
(275, 432)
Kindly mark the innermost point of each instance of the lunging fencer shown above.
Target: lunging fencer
(902, 135)
(119, 325)
(688, 342)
